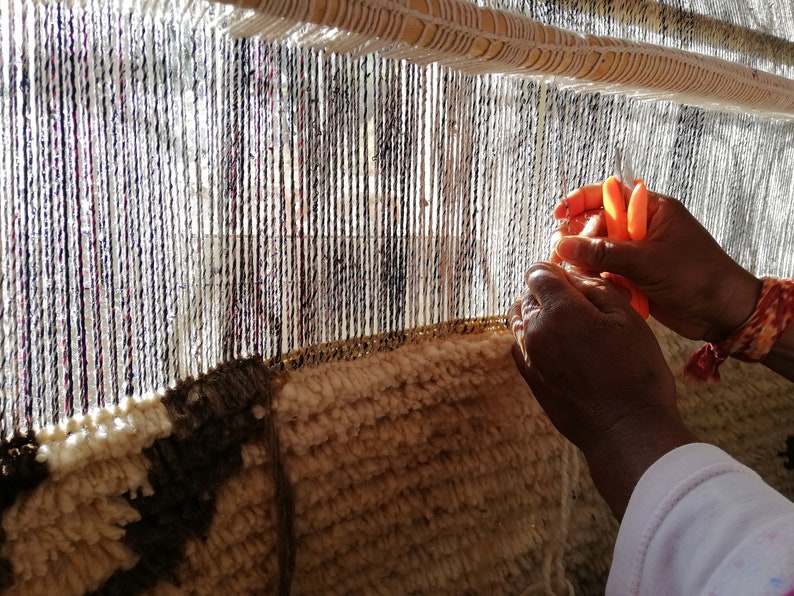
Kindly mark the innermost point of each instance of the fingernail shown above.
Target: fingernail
(568, 248)
(535, 269)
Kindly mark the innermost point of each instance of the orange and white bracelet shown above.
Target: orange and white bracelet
(753, 341)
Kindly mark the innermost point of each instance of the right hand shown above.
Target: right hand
(693, 286)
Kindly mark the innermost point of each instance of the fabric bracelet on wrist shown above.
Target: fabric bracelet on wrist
(753, 341)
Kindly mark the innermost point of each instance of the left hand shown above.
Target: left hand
(599, 373)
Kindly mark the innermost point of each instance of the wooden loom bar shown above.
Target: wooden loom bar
(480, 40)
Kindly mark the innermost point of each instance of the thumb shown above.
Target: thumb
(600, 254)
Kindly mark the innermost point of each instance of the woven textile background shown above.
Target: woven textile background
(179, 200)
(173, 196)
(424, 469)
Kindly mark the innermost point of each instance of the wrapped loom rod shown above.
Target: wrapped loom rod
(482, 40)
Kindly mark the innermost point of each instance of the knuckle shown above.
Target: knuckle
(600, 251)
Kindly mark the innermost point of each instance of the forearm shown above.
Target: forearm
(618, 461)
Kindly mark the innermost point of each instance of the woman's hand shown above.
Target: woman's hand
(598, 372)
(693, 286)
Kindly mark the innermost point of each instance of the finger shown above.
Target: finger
(654, 199)
(589, 225)
(591, 283)
(515, 319)
(531, 376)
(607, 295)
(586, 198)
(517, 326)
(585, 278)
(551, 286)
(574, 225)
(575, 270)
(620, 285)
(556, 236)
(529, 307)
(628, 258)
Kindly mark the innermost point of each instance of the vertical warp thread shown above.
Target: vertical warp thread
(175, 197)
(94, 216)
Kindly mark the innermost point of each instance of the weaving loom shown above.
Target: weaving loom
(255, 261)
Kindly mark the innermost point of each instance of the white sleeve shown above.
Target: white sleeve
(699, 522)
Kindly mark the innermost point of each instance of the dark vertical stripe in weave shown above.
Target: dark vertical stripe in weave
(19, 471)
(212, 418)
(688, 137)
(284, 505)
(788, 454)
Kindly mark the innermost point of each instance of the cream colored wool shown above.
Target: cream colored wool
(402, 486)
(106, 433)
(444, 502)
(241, 542)
(429, 469)
(64, 536)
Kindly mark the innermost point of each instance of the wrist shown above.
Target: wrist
(619, 459)
(764, 337)
(736, 302)
(781, 357)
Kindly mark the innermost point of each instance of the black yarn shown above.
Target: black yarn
(212, 418)
(19, 471)
(788, 453)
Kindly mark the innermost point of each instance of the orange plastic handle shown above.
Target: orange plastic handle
(615, 209)
(637, 212)
(637, 221)
(627, 223)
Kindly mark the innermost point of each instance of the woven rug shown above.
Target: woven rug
(427, 468)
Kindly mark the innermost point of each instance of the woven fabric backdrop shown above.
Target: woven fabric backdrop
(189, 189)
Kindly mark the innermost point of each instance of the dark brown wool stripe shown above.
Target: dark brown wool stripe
(213, 416)
(284, 503)
(19, 471)
(788, 454)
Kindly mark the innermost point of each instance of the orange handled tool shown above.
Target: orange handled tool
(626, 213)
